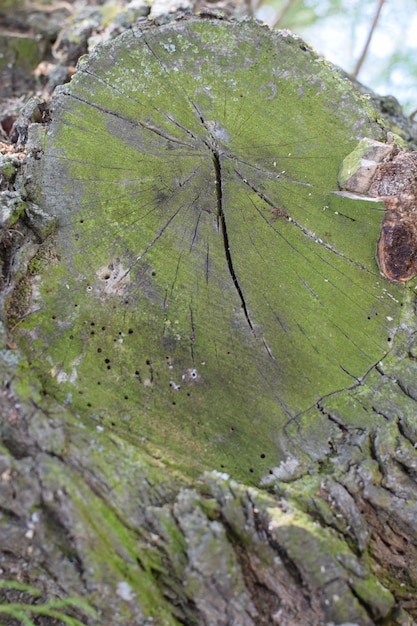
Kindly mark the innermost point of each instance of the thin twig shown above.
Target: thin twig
(368, 41)
(281, 13)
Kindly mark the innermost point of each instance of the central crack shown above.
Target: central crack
(221, 221)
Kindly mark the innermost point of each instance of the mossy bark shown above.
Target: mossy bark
(211, 419)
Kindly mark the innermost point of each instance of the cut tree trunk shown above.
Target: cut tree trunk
(209, 415)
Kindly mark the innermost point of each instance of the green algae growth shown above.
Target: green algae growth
(209, 287)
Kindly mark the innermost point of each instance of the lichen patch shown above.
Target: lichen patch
(114, 279)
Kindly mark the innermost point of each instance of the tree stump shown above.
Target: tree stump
(217, 398)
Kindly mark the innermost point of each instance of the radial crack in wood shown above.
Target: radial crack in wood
(200, 159)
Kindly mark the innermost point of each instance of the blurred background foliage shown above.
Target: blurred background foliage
(339, 30)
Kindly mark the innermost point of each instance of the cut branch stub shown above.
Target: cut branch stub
(387, 172)
(209, 286)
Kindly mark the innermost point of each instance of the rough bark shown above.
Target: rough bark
(208, 414)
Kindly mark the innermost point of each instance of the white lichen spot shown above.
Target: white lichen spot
(125, 591)
(191, 375)
(391, 296)
(286, 470)
(221, 475)
(63, 377)
(218, 131)
(114, 278)
(169, 47)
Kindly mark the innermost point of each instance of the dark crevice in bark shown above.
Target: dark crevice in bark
(344, 429)
(405, 390)
(409, 472)
(381, 414)
(404, 432)
(261, 526)
(266, 602)
(221, 218)
(370, 610)
(7, 515)
(184, 609)
(57, 528)
(223, 228)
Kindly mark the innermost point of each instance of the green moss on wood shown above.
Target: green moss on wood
(144, 323)
(18, 302)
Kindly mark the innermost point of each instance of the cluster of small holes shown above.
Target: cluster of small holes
(192, 374)
(93, 329)
(250, 469)
(188, 376)
(370, 317)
